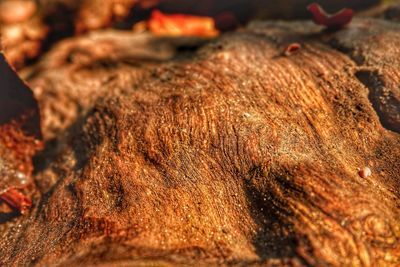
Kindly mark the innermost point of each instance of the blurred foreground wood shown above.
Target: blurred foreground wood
(224, 153)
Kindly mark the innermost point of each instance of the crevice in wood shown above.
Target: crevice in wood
(387, 107)
(384, 98)
(275, 237)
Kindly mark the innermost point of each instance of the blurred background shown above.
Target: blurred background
(30, 27)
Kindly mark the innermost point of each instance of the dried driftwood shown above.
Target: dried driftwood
(231, 154)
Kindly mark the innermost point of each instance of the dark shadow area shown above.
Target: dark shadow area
(6, 217)
(17, 103)
(383, 100)
(275, 237)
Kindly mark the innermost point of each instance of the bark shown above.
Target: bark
(227, 154)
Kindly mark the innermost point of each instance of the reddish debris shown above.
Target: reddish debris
(334, 21)
(17, 200)
(181, 25)
(292, 48)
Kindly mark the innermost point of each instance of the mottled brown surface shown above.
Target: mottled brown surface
(72, 76)
(233, 154)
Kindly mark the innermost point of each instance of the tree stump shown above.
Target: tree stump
(227, 153)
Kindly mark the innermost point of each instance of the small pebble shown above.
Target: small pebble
(364, 172)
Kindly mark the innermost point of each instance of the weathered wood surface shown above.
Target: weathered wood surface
(232, 154)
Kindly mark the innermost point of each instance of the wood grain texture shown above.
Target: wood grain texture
(232, 154)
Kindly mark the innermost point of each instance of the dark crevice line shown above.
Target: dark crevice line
(385, 104)
(382, 99)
